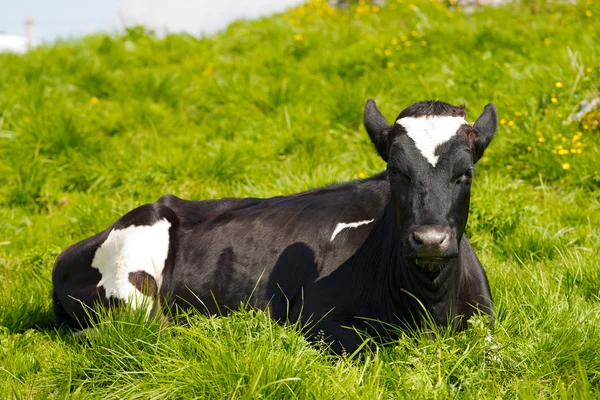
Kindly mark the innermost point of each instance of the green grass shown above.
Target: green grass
(92, 128)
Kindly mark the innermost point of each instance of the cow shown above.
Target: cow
(342, 260)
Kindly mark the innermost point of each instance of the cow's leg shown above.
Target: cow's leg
(342, 340)
(123, 264)
(331, 328)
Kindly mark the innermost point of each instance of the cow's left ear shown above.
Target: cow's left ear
(378, 129)
(485, 126)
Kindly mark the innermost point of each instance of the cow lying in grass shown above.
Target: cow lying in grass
(357, 256)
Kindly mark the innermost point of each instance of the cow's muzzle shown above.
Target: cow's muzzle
(431, 245)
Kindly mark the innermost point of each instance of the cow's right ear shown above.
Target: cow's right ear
(485, 126)
(377, 128)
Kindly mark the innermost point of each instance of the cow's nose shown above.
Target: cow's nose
(430, 240)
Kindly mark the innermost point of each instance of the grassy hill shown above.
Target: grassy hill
(92, 128)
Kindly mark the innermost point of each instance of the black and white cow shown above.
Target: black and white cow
(336, 258)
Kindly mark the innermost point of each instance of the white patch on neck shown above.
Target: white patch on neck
(343, 225)
(429, 132)
(135, 248)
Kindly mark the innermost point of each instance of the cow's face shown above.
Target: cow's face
(431, 152)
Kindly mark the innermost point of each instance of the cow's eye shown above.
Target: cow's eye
(466, 177)
(395, 173)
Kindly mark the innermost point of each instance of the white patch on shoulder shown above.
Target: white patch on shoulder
(343, 225)
(429, 132)
(135, 248)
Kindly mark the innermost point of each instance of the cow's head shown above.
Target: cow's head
(430, 152)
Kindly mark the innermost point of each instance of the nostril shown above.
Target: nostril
(444, 237)
(417, 239)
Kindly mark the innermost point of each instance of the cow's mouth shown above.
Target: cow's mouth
(432, 262)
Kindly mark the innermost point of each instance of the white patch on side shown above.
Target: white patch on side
(429, 132)
(135, 248)
(343, 225)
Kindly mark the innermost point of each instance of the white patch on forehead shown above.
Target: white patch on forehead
(429, 132)
(135, 248)
(343, 225)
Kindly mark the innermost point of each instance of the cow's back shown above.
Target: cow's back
(265, 252)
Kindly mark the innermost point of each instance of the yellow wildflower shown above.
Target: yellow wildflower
(547, 41)
(566, 165)
(94, 100)
(518, 114)
(414, 33)
(562, 152)
(558, 84)
(529, 148)
(588, 13)
(388, 52)
(297, 37)
(362, 175)
(541, 140)
(580, 134)
(511, 123)
(394, 41)
(502, 121)
(554, 100)
(407, 43)
(588, 70)
(423, 43)
(390, 64)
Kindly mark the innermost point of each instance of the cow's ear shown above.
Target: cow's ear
(485, 126)
(377, 128)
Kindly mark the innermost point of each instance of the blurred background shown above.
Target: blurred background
(31, 22)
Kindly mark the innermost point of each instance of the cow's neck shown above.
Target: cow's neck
(435, 290)
(410, 287)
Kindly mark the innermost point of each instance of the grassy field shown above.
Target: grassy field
(92, 128)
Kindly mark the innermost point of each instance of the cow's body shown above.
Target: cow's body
(332, 258)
